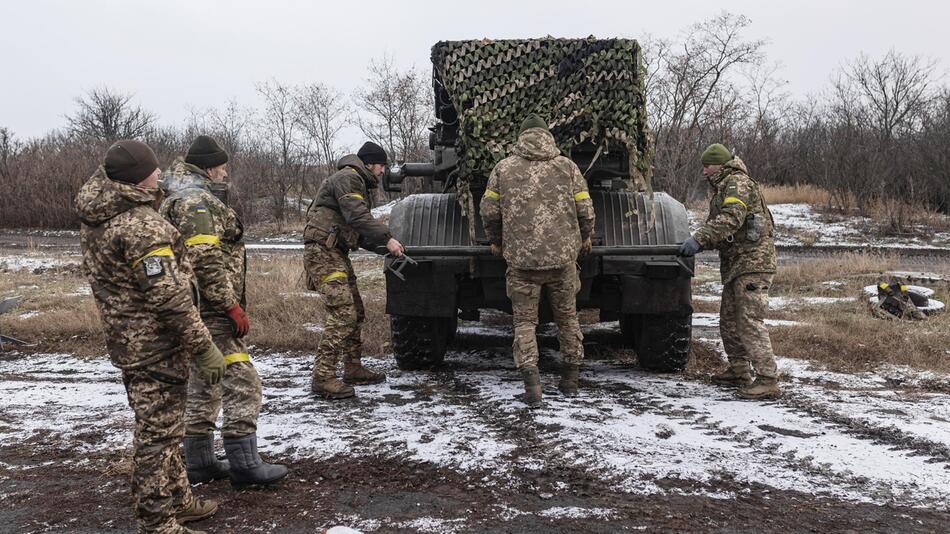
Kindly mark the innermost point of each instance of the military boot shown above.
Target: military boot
(200, 509)
(247, 467)
(201, 464)
(532, 386)
(764, 387)
(736, 375)
(568, 383)
(331, 388)
(356, 374)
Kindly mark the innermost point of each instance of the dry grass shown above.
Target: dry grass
(703, 360)
(54, 313)
(846, 338)
(62, 317)
(796, 194)
(807, 274)
(282, 310)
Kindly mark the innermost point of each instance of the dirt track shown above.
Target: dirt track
(454, 451)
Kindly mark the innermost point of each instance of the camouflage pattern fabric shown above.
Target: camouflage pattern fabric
(214, 240)
(160, 486)
(739, 224)
(213, 234)
(239, 391)
(330, 273)
(894, 302)
(537, 206)
(340, 215)
(135, 262)
(742, 312)
(561, 286)
(589, 90)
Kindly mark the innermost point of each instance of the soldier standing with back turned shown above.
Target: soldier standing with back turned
(740, 226)
(537, 213)
(135, 262)
(214, 241)
(340, 220)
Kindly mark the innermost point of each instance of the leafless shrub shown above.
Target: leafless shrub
(106, 115)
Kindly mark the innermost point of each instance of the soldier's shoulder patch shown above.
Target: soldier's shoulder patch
(153, 266)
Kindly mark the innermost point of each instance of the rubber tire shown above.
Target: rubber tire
(660, 341)
(421, 342)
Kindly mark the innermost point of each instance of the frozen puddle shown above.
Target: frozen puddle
(848, 436)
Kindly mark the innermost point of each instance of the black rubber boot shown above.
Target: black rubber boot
(247, 468)
(532, 386)
(200, 461)
(569, 377)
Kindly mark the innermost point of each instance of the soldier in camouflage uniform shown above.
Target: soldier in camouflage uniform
(740, 226)
(214, 241)
(339, 220)
(538, 214)
(135, 262)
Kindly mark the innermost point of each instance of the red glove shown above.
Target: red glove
(240, 320)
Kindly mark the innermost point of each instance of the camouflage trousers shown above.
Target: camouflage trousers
(560, 287)
(330, 273)
(745, 303)
(239, 391)
(160, 487)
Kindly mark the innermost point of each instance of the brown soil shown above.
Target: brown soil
(50, 497)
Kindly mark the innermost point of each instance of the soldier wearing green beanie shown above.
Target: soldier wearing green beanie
(740, 226)
(533, 120)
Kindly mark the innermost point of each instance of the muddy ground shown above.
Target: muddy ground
(455, 451)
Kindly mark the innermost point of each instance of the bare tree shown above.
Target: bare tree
(9, 147)
(279, 130)
(891, 93)
(322, 115)
(107, 116)
(396, 109)
(689, 93)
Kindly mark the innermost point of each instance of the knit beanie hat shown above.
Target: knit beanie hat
(532, 121)
(371, 153)
(206, 153)
(129, 161)
(716, 154)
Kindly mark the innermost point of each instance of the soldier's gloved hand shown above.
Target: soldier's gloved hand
(240, 320)
(690, 247)
(496, 250)
(586, 247)
(211, 364)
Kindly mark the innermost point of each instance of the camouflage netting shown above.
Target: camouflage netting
(587, 89)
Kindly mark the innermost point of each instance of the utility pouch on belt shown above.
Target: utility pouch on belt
(754, 225)
(332, 237)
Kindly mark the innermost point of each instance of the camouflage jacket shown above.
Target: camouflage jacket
(135, 262)
(213, 234)
(536, 205)
(739, 224)
(340, 214)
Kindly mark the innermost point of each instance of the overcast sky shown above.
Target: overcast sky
(177, 55)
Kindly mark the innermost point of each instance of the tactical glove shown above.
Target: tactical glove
(586, 247)
(211, 364)
(496, 250)
(240, 320)
(690, 247)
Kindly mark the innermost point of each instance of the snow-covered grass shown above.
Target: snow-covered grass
(627, 428)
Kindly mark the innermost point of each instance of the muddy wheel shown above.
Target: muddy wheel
(660, 341)
(420, 342)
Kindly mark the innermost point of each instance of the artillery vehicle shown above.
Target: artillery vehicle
(591, 92)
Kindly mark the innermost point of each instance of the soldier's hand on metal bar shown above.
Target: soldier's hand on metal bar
(395, 247)
(689, 247)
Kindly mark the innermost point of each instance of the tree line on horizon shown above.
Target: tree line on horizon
(877, 135)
